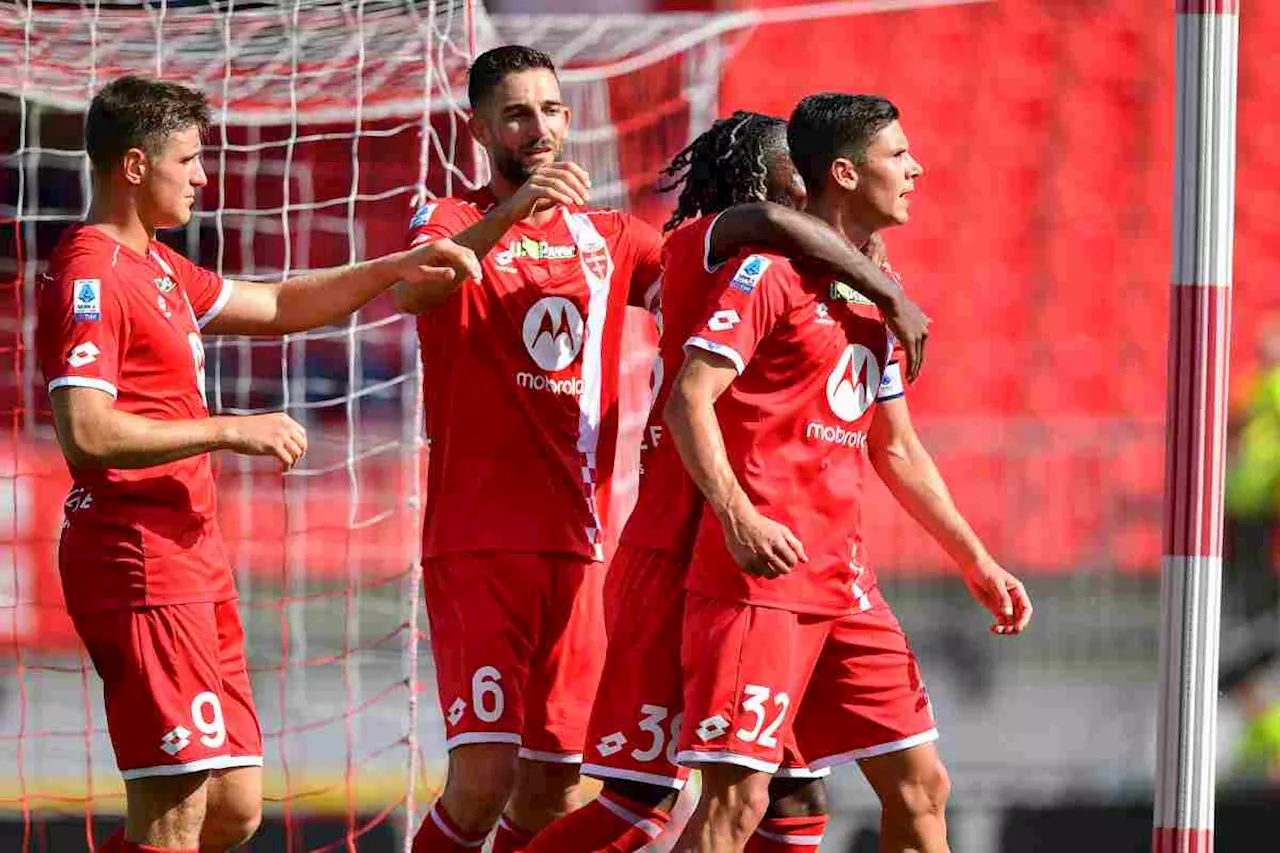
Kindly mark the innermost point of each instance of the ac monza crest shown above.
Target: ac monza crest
(597, 261)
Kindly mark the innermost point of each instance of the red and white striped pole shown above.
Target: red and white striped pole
(1200, 323)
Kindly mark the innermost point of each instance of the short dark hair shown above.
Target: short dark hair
(137, 112)
(728, 164)
(831, 125)
(493, 66)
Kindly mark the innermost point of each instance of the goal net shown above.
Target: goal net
(331, 119)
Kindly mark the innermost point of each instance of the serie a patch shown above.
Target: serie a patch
(750, 273)
(86, 299)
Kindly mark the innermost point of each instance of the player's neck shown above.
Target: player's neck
(119, 220)
(829, 208)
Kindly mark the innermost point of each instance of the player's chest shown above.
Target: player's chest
(568, 257)
(163, 333)
(549, 284)
(823, 327)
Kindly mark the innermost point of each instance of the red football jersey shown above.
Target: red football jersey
(129, 325)
(813, 358)
(521, 381)
(668, 504)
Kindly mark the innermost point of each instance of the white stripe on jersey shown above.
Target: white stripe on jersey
(589, 242)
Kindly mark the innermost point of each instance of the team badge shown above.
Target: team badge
(165, 284)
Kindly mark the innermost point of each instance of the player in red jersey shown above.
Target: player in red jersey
(144, 571)
(521, 394)
(790, 387)
(728, 177)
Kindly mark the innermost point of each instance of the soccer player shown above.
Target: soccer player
(789, 387)
(738, 186)
(521, 398)
(144, 570)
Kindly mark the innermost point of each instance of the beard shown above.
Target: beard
(514, 169)
(510, 167)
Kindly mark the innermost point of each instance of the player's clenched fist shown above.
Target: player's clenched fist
(763, 547)
(275, 434)
(440, 262)
(552, 184)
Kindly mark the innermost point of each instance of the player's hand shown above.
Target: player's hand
(554, 183)
(910, 326)
(439, 265)
(275, 434)
(1002, 594)
(761, 546)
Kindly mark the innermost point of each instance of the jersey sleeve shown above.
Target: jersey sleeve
(891, 384)
(207, 291)
(441, 218)
(646, 274)
(81, 331)
(750, 297)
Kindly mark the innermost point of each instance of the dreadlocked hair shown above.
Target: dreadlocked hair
(726, 165)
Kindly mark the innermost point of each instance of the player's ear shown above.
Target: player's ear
(479, 130)
(844, 173)
(135, 165)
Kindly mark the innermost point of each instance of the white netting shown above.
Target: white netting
(331, 119)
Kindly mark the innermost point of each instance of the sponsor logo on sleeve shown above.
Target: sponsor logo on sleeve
(422, 217)
(750, 273)
(86, 299)
(83, 355)
(723, 320)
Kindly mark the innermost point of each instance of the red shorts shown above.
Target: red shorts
(176, 687)
(636, 719)
(845, 688)
(518, 641)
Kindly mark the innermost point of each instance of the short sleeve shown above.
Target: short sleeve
(207, 291)
(646, 275)
(751, 295)
(81, 330)
(441, 218)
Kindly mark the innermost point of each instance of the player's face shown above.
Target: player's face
(886, 176)
(172, 177)
(784, 184)
(524, 123)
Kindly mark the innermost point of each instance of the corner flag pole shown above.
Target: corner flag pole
(1199, 338)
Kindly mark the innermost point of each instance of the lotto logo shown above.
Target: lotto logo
(712, 728)
(86, 353)
(456, 710)
(723, 320)
(176, 740)
(610, 744)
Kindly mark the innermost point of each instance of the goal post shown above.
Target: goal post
(1199, 342)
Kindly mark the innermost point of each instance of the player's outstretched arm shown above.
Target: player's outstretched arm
(806, 238)
(554, 183)
(329, 296)
(93, 433)
(906, 467)
(762, 547)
